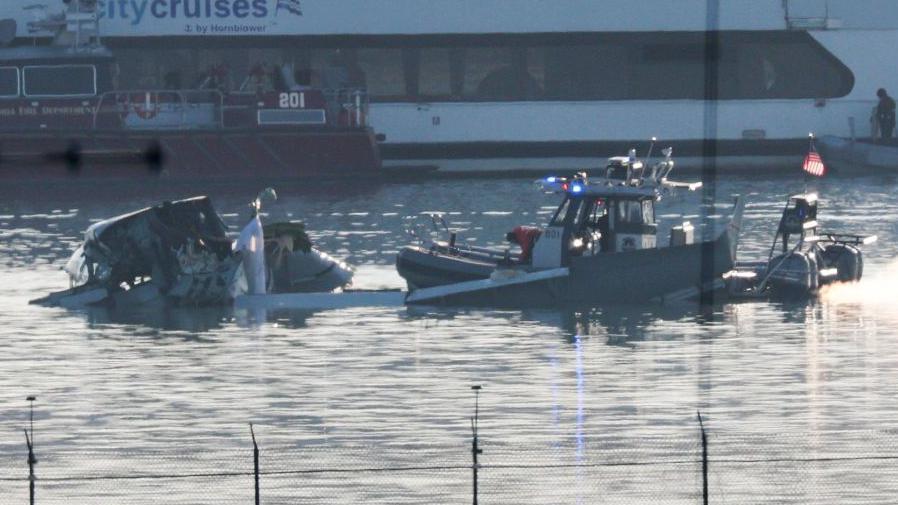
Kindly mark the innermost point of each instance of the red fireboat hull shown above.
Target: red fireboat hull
(190, 154)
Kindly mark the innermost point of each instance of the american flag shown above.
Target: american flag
(813, 164)
(290, 5)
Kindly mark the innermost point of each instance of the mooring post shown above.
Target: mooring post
(701, 426)
(255, 461)
(29, 440)
(475, 450)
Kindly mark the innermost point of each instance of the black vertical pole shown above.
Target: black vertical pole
(255, 462)
(475, 450)
(701, 426)
(709, 149)
(30, 468)
(29, 440)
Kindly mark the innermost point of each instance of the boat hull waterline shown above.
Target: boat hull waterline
(637, 276)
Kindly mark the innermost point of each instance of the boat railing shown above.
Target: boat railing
(159, 109)
(194, 109)
(347, 106)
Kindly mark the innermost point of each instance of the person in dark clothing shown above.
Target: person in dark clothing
(885, 114)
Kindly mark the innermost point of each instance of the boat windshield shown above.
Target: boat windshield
(636, 212)
(558, 218)
(573, 211)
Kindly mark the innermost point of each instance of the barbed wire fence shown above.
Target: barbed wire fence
(739, 468)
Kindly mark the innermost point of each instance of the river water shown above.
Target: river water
(772, 378)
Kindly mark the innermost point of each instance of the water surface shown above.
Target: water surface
(569, 384)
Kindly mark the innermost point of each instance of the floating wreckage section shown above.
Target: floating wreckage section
(179, 253)
(799, 269)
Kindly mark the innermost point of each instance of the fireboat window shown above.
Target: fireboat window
(9, 81)
(558, 218)
(60, 80)
(635, 212)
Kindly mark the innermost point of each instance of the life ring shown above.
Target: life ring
(145, 105)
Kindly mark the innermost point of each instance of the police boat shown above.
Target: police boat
(802, 259)
(601, 245)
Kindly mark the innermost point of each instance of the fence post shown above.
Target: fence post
(29, 440)
(255, 462)
(475, 450)
(701, 426)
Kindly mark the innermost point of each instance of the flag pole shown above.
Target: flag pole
(811, 149)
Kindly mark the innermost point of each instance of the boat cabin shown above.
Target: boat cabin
(593, 220)
(49, 87)
(73, 85)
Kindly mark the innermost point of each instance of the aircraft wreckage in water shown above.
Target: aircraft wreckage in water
(179, 252)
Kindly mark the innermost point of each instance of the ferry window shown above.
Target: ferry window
(499, 73)
(536, 70)
(435, 75)
(486, 72)
(672, 70)
(62, 80)
(9, 81)
(785, 67)
(602, 71)
(382, 70)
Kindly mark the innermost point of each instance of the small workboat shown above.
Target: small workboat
(179, 253)
(601, 245)
(799, 269)
(848, 155)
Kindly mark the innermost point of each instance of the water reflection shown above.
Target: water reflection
(623, 324)
(193, 320)
(159, 316)
(619, 325)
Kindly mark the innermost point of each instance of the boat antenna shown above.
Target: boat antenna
(651, 148)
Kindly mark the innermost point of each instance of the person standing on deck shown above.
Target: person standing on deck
(885, 114)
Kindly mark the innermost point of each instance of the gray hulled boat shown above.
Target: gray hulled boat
(600, 246)
(846, 155)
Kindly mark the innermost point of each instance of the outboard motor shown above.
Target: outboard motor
(793, 274)
(846, 259)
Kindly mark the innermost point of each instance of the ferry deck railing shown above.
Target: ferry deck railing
(184, 109)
